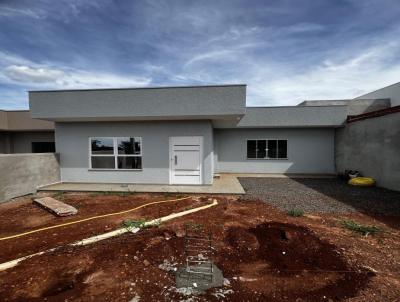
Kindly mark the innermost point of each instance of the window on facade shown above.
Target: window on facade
(116, 153)
(267, 149)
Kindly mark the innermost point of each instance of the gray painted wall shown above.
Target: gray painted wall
(309, 151)
(294, 116)
(371, 146)
(392, 92)
(72, 145)
(140, 103)
(21, 174)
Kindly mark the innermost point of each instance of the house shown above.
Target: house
(185, 135)
(19, 133)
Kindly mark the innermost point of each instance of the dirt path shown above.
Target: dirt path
(26, 216)
(264, 254)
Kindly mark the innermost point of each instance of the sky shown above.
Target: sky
(286, 51)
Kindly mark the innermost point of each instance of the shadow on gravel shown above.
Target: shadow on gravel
(327, 195)
(382, 204)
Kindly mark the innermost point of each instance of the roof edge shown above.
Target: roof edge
(139, 88)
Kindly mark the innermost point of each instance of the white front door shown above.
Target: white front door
(185, 159)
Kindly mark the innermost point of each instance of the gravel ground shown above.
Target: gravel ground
(321, 195)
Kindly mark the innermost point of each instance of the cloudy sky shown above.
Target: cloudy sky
(285, 51)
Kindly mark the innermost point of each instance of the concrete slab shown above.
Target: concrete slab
(55, 206)
(226, 184)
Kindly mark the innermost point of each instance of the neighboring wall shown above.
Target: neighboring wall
(309, 151)
(392, 92)
(72, 143)
(371, 146)
(21, 174)
(21, 142)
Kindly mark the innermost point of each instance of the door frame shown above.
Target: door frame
(170, 157)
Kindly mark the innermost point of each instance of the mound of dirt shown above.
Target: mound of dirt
(285, 256)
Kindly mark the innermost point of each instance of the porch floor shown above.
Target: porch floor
(225, 184)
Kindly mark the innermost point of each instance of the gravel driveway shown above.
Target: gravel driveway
(321, 195)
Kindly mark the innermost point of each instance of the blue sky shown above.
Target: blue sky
(285, 51)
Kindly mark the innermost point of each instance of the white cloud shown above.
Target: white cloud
(6, 11)
(26, 74)
(363, 72)
(22, 72)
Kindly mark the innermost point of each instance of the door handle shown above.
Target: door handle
(176, 160)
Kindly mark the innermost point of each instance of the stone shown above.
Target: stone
(55, 206)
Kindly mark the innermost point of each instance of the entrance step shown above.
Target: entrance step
(55, 206)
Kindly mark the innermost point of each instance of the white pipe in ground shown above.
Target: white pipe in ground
(15, 262)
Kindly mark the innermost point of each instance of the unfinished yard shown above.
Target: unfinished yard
(264, 253)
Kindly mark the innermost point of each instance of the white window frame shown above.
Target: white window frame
(115, 153)
(268, 139)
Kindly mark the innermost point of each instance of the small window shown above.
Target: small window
(267, 149)
(116, 153)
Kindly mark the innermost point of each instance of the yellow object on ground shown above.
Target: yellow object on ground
(91, 218)
(362, 181)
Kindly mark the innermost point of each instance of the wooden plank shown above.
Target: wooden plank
(55, 206)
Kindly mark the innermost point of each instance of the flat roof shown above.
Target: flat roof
(144, 103)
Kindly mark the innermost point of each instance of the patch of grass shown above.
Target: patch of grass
(360, 228)
(59, 195)
(95, 194)
(130, 224)
(296, 213)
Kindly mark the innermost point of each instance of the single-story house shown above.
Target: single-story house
(185, 135)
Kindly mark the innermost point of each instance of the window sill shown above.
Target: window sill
(267, 158)
(115, 169)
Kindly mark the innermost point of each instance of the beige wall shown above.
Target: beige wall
(21, 120)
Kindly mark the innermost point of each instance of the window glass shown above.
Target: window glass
(272, 149)
(251, 149)
(43, 147)
(102, 145)
(128, 145)
(282, 149)
(261, 149)
(129, 162)
(103, 162)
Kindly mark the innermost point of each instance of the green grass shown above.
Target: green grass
(360, 228)
(59, 195)
(130, 224)
(296, 213)
(140, 224)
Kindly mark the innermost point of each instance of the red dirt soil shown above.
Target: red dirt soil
(265, 254)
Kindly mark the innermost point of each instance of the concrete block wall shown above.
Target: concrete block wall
(371, 146)
(21, 174)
